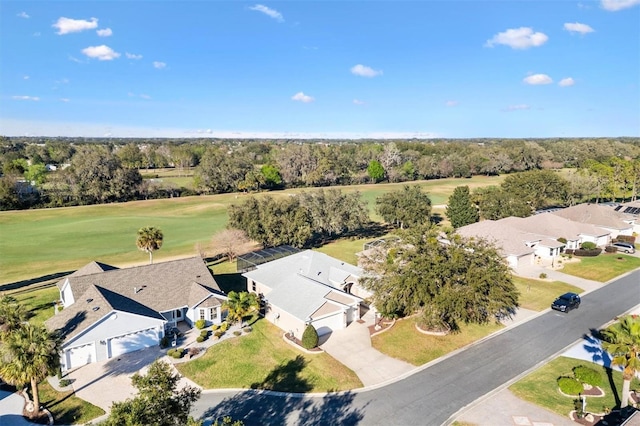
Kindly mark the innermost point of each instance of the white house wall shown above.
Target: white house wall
(330, 323)
(66, 294)
(114, 324)
(285, 321)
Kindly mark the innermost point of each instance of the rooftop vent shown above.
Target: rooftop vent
(89, 300)
(95, 308)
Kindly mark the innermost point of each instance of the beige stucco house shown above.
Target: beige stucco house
(308, 287)
(602, 216)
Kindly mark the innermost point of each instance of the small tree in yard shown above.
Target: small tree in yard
(229, 243)
(158, 401)
(310, 337)
(149, 240)
(622, 341)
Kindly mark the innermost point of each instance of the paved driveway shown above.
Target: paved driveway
(103, 383)
(352, 347)
(11, 405)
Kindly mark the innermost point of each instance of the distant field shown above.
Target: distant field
(46, 241)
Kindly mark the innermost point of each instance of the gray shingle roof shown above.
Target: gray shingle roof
(143, 290)
(554, 226)
(595, 214)
(509, 240)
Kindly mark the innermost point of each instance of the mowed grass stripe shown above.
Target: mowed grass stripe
(35, 243)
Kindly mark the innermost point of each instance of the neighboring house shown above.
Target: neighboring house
(110, 311)
(308, 287)
(554, 227)
(631, 212)
(519, 248)
(604, 217)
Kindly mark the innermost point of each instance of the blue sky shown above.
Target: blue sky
(334, 69)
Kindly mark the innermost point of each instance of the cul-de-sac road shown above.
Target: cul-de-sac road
(432, 395)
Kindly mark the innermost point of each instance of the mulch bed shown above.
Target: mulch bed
(299, 343)
(381, 325)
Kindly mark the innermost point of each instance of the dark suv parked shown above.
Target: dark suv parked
(566, 302)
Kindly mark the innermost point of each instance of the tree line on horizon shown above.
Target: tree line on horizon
(95, 171)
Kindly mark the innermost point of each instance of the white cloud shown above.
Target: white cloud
(76, 60)
(102, 52)
(143, 96)
(577, 27)
(518, 38)
(537, 79)
(300, 96)
(132, 56)
(26, 98)
(358, 102)
(159, 65)
(365, 71)
(451, 103)
(36, 34)
(565, 82)
(519, 107)
(268, 11)
(68, 25)
(23, 15)
(105, 32)
(26, 77)
(64, 99)
(615, 5)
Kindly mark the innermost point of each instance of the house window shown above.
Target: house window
(213, 313)
(253, 286)
(202, 314)
(178, 313)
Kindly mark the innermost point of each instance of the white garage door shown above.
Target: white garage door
(329, 324)
(81, 355)
(132, 342)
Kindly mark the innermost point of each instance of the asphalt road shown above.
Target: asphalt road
(434, 394)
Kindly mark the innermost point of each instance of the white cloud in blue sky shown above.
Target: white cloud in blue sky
(68, 25)
(101, 53)
(615, 5)
(268, 11)
(387, 69)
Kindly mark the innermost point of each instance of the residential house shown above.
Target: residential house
(308, 287)
(631, 213)
(110, 311)
(605, 217)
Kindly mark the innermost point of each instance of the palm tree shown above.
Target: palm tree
(12, 315)
(29, 354)
(622, 341)
(240, 304)
(149, 240)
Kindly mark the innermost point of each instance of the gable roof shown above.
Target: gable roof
(143, 290)
(92, 268)
(507, 239)
(303, 282)
(554, 226)
(595, 214)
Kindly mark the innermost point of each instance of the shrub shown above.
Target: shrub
(64, 383)
(543, 276)
(626, 238)
(587, 375)
(570, 386)
(224, 326)
(588, 253)
(164, 342)
(237, 332)
(193, 351)
(200, 324)
(611, 249)
(588, 245)
(204, 333)
(214, 327)
(247, 329)
(200, 339)
(218, 333)
(562, 240)
(577, 405)
(310, 337)
(175, 352)
(60, 308)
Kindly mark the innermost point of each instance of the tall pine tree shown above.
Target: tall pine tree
(460, 209)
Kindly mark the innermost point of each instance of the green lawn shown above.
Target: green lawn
(538, 295)
(404, 342)
(602, 268)
(66, 408)
(263, 360)
(39, 303)
(540, 387)
(47, 241)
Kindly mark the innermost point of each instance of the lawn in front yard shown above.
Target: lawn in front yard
(541, 387)
(538, 295)
(65, 407)
(261, 359)
(39, 303)
(403, 341)
(603, 267)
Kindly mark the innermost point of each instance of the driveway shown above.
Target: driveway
(106, 382)
(352, 347)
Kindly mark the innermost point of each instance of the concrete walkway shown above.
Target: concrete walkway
(352, 347)
(534, 271)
